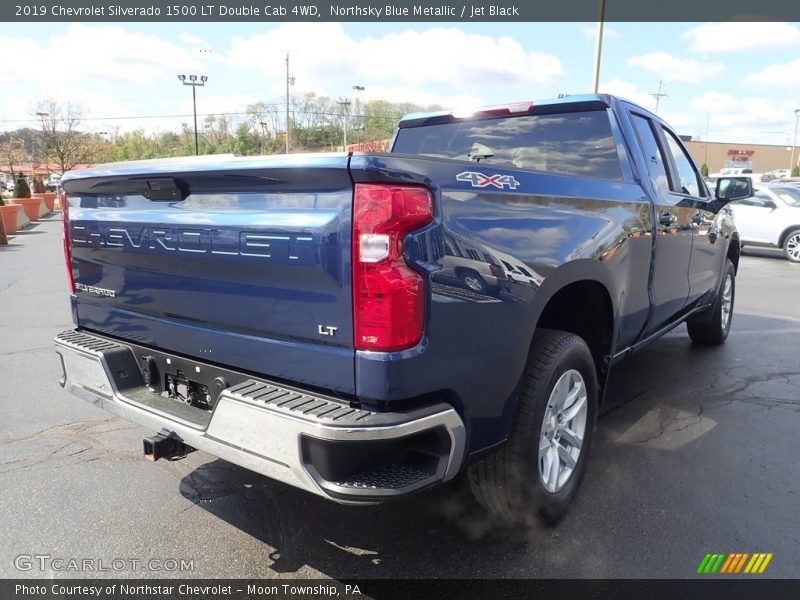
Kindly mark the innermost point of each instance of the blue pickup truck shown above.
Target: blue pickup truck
(365, 326)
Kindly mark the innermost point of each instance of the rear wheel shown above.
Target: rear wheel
(791, 246)
(536, 474)
(474, 281)
(713, 328)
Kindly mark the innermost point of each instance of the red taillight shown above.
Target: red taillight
(67, 251)
(388, 295)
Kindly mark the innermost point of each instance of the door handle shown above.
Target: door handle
(667, 219)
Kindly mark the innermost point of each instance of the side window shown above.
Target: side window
(688, 180)
(758, 199)
(652, 153)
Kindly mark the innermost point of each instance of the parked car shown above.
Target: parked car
(7, 184)
(771, 218)
(469, 265)
(53, 182)
(282, 312)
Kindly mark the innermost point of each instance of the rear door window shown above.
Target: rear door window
(652, 153)
(688, 181)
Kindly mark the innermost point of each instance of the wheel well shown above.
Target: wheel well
(461, 271)
(584, 308)
(786, 233)
(734, 249)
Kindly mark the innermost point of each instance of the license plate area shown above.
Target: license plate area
(180, 388)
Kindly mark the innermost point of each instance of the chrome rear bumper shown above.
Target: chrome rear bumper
(304, 439)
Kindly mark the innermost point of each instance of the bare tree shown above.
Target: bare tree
(12, 153)
(62, 139)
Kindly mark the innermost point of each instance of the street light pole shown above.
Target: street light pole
(193, 81)
(794, 141)
(346, 104)
(357, 89)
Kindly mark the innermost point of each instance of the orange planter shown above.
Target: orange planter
(30, 206)
(50, 200)
(9, 216)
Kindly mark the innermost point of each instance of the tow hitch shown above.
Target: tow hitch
(165, 444)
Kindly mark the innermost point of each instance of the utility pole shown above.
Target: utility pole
(794, 140)
(289, 81)
(42, 116)
(598, 48)
(659, 95)
(708, 123)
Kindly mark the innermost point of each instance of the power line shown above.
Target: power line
(388, 116)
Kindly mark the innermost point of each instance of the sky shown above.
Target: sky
(740, 82)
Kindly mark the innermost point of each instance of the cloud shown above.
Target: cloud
(742, 37)
(672, 68)
(752, 118)
(323, 53)
(590, 32)
(785, 76)
(728, 110)
(628, 91)
(90, 64)
(193, 40)
(91, 55)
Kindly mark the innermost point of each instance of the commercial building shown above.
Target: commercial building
(758, 157)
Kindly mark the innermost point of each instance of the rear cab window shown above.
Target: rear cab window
(571, 143)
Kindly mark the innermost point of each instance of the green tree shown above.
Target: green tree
(704, 170)
(21, 187)
(796, 171)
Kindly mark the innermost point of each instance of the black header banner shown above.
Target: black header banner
(463, 11)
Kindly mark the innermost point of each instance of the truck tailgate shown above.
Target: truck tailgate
(245, 262)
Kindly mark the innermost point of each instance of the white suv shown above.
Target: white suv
(771, 217)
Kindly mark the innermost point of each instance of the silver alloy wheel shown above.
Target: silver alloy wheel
(473, 283)
(793, 247)
(563, 429)
(727, 301)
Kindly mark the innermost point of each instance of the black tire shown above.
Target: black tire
(473, 281)
(712, 328)
(791, 246)
(509, 483)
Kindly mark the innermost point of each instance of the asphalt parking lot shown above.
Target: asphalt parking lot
(696, 452)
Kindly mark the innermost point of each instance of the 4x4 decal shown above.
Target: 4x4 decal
(479, 180)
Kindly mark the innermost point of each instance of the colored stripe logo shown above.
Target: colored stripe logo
(734, 562)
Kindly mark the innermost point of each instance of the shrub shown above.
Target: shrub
(21, 188)
(38, 184)
(796, 171)
(704, 170)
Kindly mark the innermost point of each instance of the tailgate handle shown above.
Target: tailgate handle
(160, 189)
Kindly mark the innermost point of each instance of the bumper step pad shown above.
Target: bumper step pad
(388, 477)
